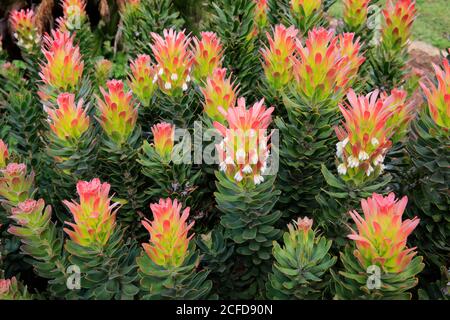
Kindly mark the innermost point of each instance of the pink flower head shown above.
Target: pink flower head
(163, 136)
(207, 54)
(94, 216)
(169, 241)
(381, 235)
(24, 28)
(397, 24)
(244, 151)
(143, 78)
(4, 154)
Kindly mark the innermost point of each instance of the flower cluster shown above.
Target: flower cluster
(174, 61)
(4, 154)
(94, 216)
(381, 235)
(142, 78)
(302, 224)
(25, 31)
(244, 151)
(163, 138)
(207, 54)
(64, 66)
(169, 241)
(355, 13)
(327, 65)
(74, 15)
(278, 57)
(397, 24)
(117, 111)
(219, 93)
(364, 138)
(15, 184)
(439, 97)
(69, 121)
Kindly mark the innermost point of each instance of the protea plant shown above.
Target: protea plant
(117, 115)
(301, 264)
(429, 150)
(379, 265)
(364, 141)
(143, 79)
(218, 92)
(306, 14)
(62, 70)
(403, 111)
(70, 145)
(167, 265)
(12, 289)
(170, 177)
(246, 194)
(325, 67)
(97, 244)
(41, 241)
(388, 60)
(25, 31)
(15, 184)
(118, 112)
(278, 57)
(207, 53)
(103, 71)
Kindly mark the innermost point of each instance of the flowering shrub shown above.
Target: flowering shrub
(228, 121)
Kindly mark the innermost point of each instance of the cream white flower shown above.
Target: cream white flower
(363, 155)
(369, 170)
(342, 169)
(247, 169)
(353, 162)
(229, 160)
(161, 71)
(379, 159)
(168, 86)
(238, 176)
(222, 166)
(174, 77)
(257, 179)
(240, 156)
(188, 78)
(375, 142)
(155, 78)
(184, 87)
(339, 149)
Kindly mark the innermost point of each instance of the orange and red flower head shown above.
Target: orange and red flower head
(244, 151)
(381, 235)
(326, 65)
(219, 93)
(24, 28)
(364, 137)
(94, 215)
(355, 13)
(163, 139)
(143, 78)
(173, 61)
(438, 97)
(207, 54)
(69, 121)
(118, 111)
(278, 56)
(169, 240)
(397, 24)
(63, 68)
